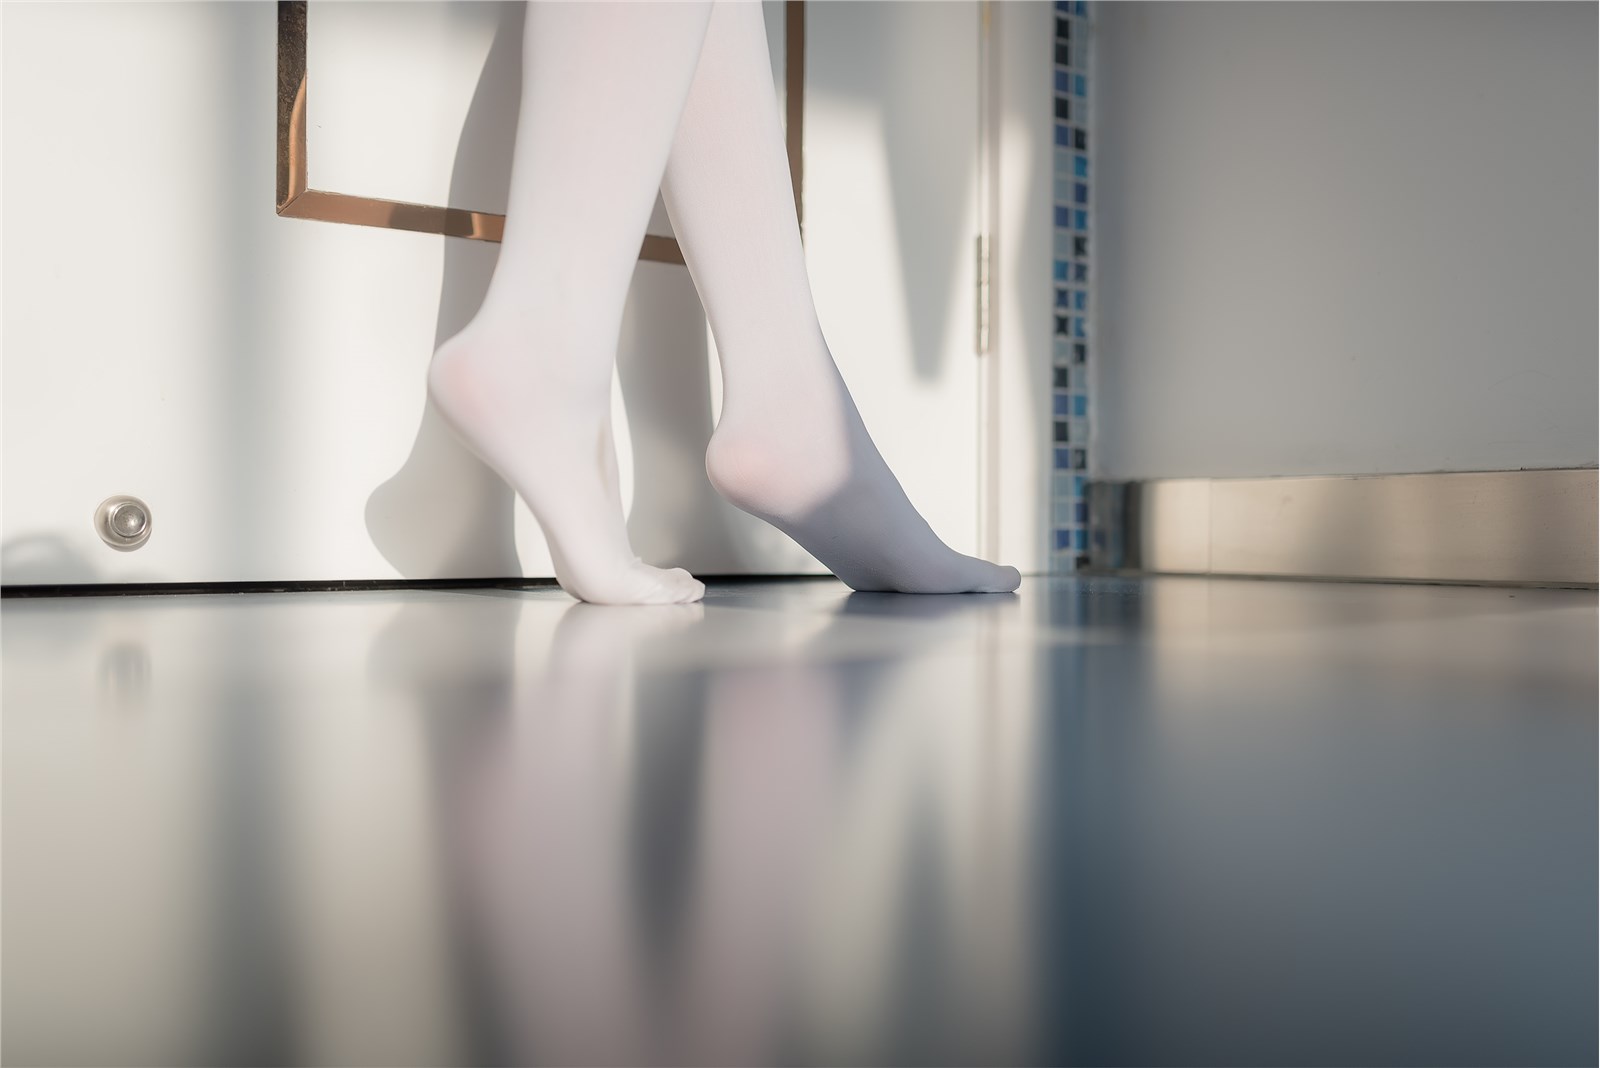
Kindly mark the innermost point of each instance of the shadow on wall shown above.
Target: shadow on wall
(470, 529)
(877, 67)
(676, 517)
(663, 363)
(40, 559)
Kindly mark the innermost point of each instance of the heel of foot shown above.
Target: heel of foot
(453, 385)
(737, 471)
(763, 476)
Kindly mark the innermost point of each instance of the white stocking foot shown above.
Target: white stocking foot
(548, 434)
(790, 447)
(811, 469)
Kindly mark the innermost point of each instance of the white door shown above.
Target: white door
(258, 380)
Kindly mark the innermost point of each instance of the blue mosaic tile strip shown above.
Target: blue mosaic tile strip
(1072, 188)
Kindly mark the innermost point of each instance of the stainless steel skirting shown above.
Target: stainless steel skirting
(1521, 527)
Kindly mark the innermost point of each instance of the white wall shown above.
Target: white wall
(1345, 238)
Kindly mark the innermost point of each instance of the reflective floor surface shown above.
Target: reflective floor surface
(1102, 821)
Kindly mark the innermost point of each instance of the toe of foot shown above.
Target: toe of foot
(1004, 579)
(693, 590)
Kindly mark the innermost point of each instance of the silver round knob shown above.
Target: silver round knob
(128, 519)
(123, 522)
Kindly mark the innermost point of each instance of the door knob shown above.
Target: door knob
(123, 522)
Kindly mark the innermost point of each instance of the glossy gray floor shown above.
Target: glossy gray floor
(1103, 821)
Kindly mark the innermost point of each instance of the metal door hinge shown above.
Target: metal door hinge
(983, 295)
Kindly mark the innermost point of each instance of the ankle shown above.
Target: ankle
(491, 361)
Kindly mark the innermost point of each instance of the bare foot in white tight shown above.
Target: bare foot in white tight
(550, 439)
(620, 99)
(804, 462)
(527, 384)
(790, 446)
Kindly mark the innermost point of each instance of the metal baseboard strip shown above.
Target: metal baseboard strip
(1528, 527)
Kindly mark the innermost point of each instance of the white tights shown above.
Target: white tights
(620, 99)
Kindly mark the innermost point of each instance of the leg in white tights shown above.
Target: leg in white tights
(790, 446)
(527, 384)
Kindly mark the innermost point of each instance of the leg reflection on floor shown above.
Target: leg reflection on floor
(1100, 821)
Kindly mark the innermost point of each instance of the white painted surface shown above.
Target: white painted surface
(1344, 238)
(890, 216)
(391, 83)
(395, 81)
(258, 381)
(1022, 293)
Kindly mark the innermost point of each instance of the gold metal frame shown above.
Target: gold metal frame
(297, 200)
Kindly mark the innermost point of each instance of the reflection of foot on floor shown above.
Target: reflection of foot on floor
(447, 647)
(547, 432)
(603, 639)
(888, 606)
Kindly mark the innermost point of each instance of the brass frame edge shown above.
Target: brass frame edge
(794, 93)
(297, 200)
(291, 154)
